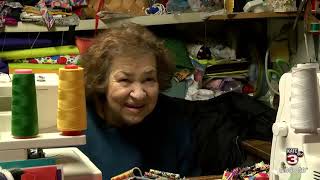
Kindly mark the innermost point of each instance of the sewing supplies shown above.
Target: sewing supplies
(130, 173)
(304, 105)
(181, 75)
(24, 123)
(164, 174)
(71, 116)
(156, 9)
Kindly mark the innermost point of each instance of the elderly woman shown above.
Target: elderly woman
(130, 124)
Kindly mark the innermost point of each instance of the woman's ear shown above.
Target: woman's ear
(99, 102)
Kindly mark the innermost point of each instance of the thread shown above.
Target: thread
(24, 122)
(71, 115)
(304, 98)
(130, 173)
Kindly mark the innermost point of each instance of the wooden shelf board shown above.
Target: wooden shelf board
(243, 15)
(192, 17)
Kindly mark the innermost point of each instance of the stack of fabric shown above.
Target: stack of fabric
(258, 171)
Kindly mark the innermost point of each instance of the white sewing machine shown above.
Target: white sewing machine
(295, 154)
(76, 165)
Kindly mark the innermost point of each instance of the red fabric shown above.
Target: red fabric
(40, 173)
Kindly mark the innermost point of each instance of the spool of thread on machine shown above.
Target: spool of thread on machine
(305, 98)
(71, 116)
(24, 117)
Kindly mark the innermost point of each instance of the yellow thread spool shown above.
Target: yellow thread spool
(71, 115)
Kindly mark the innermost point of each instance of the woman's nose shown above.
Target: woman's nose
(138, 92)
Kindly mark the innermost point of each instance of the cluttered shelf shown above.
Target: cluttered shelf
(246, 15)
(193, 17)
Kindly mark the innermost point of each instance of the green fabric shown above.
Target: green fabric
(24, 120)
(39, 52)
(35, 66)
(179, 52)
(178, 89)
(28, 163)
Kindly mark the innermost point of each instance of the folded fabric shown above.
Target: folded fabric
(39, 52)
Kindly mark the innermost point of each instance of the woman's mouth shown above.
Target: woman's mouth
(134, 107)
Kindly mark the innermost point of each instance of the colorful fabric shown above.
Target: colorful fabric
(66, 4)
(63, 59)
(47, 17)
(258, 171)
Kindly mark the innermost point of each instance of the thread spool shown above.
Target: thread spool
(130, 173)
(71, 116)
(304, 98)
(24, 122)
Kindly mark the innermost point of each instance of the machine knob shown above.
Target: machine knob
(280, 129)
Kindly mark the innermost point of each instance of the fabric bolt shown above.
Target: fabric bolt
(4, 67)
(39, 52)
(11, 43)
(63, 59)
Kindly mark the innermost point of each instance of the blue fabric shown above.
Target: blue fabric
(4, 67)
(162, 141)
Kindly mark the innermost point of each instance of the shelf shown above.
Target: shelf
(195, 17)
(192, 17)
(88, 24)
(243, 15)
(44, 140)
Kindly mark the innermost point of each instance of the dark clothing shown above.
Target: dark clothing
(189, 138)
(220, 124)
(162, 141)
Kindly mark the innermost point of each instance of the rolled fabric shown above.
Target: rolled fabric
(26, 43)
(39, 52)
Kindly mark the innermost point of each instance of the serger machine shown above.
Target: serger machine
(295, 150)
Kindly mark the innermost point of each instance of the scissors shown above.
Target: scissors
(280, 68)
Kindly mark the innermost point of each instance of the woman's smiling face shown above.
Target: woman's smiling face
(132, 89)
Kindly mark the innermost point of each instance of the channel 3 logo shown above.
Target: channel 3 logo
(293, 155)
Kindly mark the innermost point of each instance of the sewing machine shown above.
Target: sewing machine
(295, 154)
(76, 165)
(47, 98)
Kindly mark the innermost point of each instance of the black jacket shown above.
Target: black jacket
(219, 126)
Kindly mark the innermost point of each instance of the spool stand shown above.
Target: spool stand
(76, 166)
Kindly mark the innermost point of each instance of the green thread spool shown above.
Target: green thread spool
(24, 122)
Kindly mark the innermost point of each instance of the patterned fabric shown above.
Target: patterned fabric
(65, 59)
(6, 9)
(66, 4)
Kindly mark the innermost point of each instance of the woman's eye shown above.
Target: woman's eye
(124, 80)
(150, 79)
